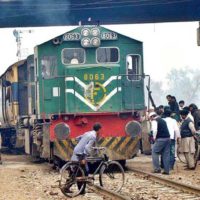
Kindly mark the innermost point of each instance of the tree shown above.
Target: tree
(184, 84)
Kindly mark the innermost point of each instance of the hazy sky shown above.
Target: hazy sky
(166, 45)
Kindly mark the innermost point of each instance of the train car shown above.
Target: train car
(15, 84)
(87, 75)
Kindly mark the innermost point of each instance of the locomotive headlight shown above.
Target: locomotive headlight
(95, 32)
(85, 32)
(61, 131)
(85, 42)
(95, 42)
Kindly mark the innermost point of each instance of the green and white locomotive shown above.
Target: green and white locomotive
(87, 75)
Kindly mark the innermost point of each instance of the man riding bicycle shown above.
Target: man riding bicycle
(84, 148)
(86, 142)
(74, 174)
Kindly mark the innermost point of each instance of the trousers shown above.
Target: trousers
(161, 147)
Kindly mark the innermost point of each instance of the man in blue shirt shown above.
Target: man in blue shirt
(86, 142)
(84, 148)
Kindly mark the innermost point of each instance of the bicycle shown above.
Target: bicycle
(73, 178)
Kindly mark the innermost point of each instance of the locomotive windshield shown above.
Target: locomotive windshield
(107, 55)
(73, 56)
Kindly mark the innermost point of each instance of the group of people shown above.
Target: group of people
(171, 125)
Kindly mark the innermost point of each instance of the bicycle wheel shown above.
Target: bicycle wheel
(112, 176)
(72, 181)
(197, 152)
(180, 155)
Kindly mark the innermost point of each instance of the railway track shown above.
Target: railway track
(142, 185)
(183, 187)
(107, 194)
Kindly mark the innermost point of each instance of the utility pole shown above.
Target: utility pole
(18, 36)
(198, 35)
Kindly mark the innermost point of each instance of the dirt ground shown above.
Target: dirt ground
(191, 177)
(22, 179)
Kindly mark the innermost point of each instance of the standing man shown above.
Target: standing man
(196, 115)
(187, 139)
(161, 145)
(174, 135)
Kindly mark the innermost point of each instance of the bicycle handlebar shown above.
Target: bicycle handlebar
(99, 148)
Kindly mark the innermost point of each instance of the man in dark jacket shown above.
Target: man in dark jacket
(162, 143)
(173, 107)
(196, 114)
(187, 139)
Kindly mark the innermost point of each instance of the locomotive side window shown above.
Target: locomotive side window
(107, 55)
(49, 66)
(73, 56)
(133, 67)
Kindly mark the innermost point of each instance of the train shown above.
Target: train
(86, 75)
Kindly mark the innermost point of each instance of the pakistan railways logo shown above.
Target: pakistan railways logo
(95, 93)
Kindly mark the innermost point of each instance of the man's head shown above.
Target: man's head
(160, 110)
(97, 127)
(193, 107)
(169, 97)
(173, 98)
(167, 112)
(184, 113)
(187, 108)
(181, 103)
(152, 115)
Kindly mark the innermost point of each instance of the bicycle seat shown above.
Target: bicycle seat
(81, 156)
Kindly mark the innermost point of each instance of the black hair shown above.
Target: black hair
(186, 108)
(173, 98)
(166, 108)
(97, 126)
(161, 106)
(181, 101)
(184, 112)
(193, 106)
(167, 112)
(169, 96)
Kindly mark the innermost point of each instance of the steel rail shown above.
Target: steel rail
(181, 186)
(108, 193)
